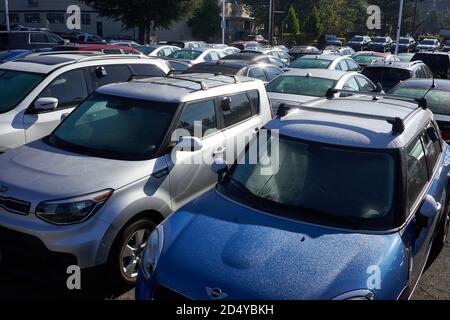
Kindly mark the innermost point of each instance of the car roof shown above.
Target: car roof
(317, 73)
(370, 53)
(243, 56)
(330, 57)
(440, 84)
(353, 122)
(394, 64)
(233, 64)
(175, 89)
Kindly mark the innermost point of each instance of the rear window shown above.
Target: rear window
(185, 54)
(308, 86)
(310, 63)
(434, 61)
(366, 59)
(437, 100)
(386, 74)
(201, 68)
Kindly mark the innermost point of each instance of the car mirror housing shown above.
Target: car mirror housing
(220, 167)
(189, 144)
(430, 207)
(46, 104)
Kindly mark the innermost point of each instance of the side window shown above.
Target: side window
(428, 72)
(144, 69)
(54, 39)
(38, 38)
(103, 75)
(208, 57)
(365, 85)
(272, 73)
(257, 73)
(236, 109)
(276, 62)
(338, 67)
(433, 149)
(419, 72)
(254, 99)
(351, 85)
(112, 51)
(352, 66)
(215, 56)
(343, 65)
(70, 89)
(198, 117)
(417, 175)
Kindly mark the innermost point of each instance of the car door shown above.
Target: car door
(190, 171)
(423, 156)
(70, 88)
(240, 121)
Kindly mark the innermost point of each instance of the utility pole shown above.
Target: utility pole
(8, 28)
(399, 26)
(413, 31)
(223, 23)
(270, 21)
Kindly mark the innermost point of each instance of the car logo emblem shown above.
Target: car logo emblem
(216, 293)
(3, 188)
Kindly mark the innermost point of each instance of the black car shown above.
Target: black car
(437, 93)
(28, 40)
(263, 71)
(438, 62)
(446, 47)
(405, 44)
(380, 44)
(300, 51)
(330, 40)
(359, 43)
(389, 74)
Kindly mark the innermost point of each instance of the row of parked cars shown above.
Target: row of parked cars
(100, 150)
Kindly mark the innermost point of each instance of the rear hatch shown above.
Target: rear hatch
(388, 77)
(438, 63)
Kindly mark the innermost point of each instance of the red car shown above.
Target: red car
(364, 58)
(105, 48)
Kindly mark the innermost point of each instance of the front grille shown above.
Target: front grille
(164, 293)
(15, 206)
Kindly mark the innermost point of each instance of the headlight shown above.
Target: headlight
(73, 210)
(152, 252)
(363, 294)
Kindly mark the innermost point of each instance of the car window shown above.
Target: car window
(272, 73)
(254, 98)
(417, 175)
(54, 39)
(257, 73)
(103, 75)
(276, 62)
(236, 109)
(352, 66)
(351, 85)
(365, 85)
(142, 69)
(428, 72)
(433, 149)
(343, 66)
(199, 117)
(38, 38)
(419, 72)
(112, 51)
(70, 89)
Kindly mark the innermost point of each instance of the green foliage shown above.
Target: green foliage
(312, 26)
(292, 22)
(205, 23)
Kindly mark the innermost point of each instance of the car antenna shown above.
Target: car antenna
(433, 85)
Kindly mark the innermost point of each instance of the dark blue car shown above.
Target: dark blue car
(349, 200)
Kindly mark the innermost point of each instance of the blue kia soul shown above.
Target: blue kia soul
(354, 207)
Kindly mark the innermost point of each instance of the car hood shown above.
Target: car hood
(37, 172)
(216, 243)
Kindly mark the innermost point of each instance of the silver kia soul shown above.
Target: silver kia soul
(132, 153)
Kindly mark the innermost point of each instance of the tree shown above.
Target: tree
(205, 23)
(145, 14)
(292, 22)
(312, 26)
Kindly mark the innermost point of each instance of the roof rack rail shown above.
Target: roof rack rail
(398, 124)
(202, 84)
(422, 102)
(74, 52)
(234, 77)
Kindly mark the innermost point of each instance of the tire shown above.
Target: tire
(126, 253)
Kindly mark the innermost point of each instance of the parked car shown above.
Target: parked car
(247, 45)
(392, 73)
(28, 40)
(11, 55)
(280, 54)
(231, 50)
(359, 43)
(124, 160)
(177, 66)
(198, 55)
(38, 90)
(330, 40)
(262, 71)
(87, 38)
(365, 58)
(437, 93)
(352, 193)
(257, 38)
(131, 44)
(256, 57)
(438, 62)
(325, 61)
(446, 47)
(405, 57)
(405, 44)
(157, 50)
(298, 86)
(300, 51)
(380, 44)
(343, 51)
(104, 48)
(183, 44)
(428, 45)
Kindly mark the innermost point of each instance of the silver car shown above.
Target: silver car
(90, 192)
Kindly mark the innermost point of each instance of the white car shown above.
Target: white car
(36, 91)
(158, 50)
(325, 61)
(302, 85)
(198, 55)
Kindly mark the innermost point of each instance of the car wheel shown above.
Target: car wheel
(126, 253)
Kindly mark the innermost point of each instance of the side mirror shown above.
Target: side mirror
(430, 207)
(220, 167)
(64, 116)
(189, 144)
(46, 104)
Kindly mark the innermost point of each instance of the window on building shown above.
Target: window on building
(55, 17)
(33, 3)
(32, 17)
(13, 18)
(86, 19)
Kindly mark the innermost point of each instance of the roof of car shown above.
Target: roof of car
(317, 73)
(440, 84)
(393, 64)
(370, 53)
(174, 89)
(330, 57)
(233, 64)
(244, 56)
(353, 121)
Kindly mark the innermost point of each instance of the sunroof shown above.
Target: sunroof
(46, 60)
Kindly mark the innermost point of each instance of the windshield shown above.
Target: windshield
(146, 49)
(380, 40)
(362, 59)
(357, 39)
(427, 42)
(438, 101)
(307, 63)
(15, 86)
(405, 57)
(404, 40)
(115, 127)
(185, 54)
(315, 181)
(308, 86)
